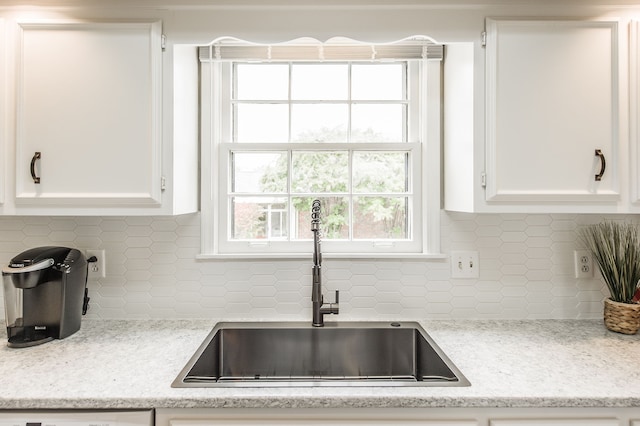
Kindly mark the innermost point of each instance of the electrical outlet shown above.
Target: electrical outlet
(96, 269)
(583, 263)
(465, 264)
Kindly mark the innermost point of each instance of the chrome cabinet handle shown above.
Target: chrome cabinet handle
(36, 156)
(603, 165)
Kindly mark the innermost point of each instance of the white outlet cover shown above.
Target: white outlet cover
(583, 263)
(465, 264)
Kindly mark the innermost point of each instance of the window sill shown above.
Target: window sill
(346, 256)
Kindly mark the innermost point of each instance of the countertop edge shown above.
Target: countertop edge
(320, 402)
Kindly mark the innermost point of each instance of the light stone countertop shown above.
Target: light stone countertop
(117, 364)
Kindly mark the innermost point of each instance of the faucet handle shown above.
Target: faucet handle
(334, 308)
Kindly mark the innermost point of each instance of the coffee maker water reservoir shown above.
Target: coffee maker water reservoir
(44, 295)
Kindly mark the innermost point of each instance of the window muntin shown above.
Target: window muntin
(319, 102)
(421, 135)
(365, 188)
(359, 191)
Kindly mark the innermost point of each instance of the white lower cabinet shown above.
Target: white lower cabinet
(556, 422)
(400, 416)
(95, 417)
(317, 417)
(321, 422)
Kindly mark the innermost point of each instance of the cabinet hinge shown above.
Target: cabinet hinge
(163, 183)
(483, 179)
(483, 40)
(163, 42)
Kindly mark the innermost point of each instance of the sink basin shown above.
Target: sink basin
(338, 354)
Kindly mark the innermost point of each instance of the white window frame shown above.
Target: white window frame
(425, 167)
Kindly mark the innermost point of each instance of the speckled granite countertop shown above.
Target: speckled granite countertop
(131, 364)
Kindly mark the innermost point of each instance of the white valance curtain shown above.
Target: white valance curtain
(232, 49)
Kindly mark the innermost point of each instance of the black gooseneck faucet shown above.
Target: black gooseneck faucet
(316, 288)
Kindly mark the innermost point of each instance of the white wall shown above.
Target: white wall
(526, 268)
(201, 21)
(526, 271)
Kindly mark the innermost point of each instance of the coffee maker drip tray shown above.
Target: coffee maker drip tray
(22, 337)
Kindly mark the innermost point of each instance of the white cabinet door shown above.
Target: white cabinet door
(284, 421)
(557, 422)
(552, 101)
(634, 109)
(88, 114)
(318, 417)
(3, 119)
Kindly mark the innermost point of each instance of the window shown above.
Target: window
(284, 125)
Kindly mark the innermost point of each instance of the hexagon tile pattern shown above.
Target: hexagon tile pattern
(526, 272)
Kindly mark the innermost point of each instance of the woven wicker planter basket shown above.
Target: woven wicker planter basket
(622, 317)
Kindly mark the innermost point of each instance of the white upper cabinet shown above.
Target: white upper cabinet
(552, 120)
(634, 112)
(88, 114)
(552, 111)
(3, 127)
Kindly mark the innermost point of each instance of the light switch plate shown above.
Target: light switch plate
(465, 264)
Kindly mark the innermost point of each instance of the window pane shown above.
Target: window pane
(319, 123)
(258, 82)
(380, 82)
(259, 218)
(334, 217)
(259, 172)
(262, 123)
(380, 171)
(316, 128)
(380, 217)
(319, 82)
(377, 123)
(320, 172)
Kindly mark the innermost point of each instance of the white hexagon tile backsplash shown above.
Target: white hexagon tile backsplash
(526, 272)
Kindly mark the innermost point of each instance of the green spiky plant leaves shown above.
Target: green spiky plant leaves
(616, 248)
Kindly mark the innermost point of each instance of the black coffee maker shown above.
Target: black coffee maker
(44, 295)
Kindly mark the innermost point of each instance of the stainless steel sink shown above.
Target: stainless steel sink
(338, 354)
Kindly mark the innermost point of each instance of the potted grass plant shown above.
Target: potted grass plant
(616, 248)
